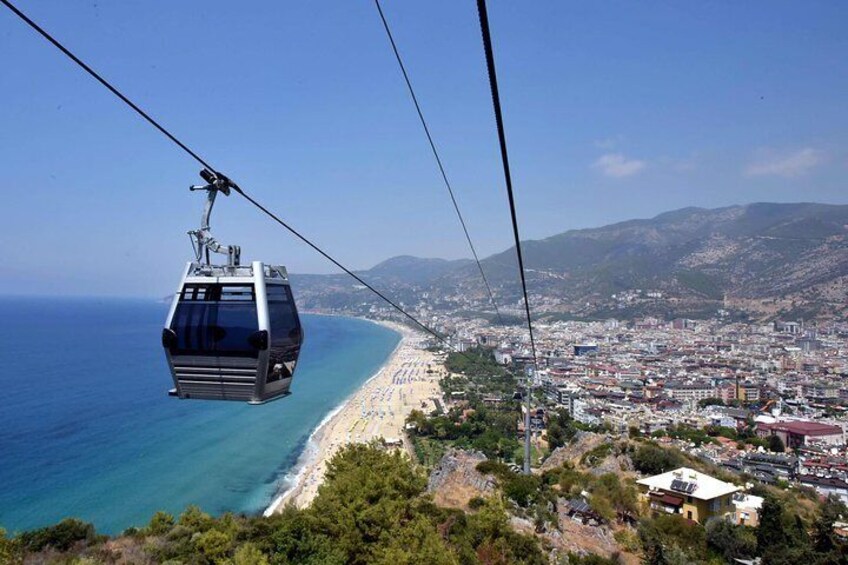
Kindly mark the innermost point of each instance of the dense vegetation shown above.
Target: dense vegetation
(485, 416)
(781, 538)
(371, 509)
(476, 362)
(474, 423)
(651, 459)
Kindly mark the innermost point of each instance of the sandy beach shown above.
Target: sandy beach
(377, 410)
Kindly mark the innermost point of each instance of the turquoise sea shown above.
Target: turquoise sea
(87, 428)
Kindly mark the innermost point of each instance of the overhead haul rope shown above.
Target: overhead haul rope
(438, 159)
(105, 83)
(496, 102)
(200, 160)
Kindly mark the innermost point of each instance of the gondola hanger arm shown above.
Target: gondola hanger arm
(202, 239)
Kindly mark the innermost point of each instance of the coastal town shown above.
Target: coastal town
(783, 380)
(698, 419)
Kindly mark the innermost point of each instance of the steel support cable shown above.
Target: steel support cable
(200, 160)
(496, 102)
(328, 257)
(104, 82)
(438, 159)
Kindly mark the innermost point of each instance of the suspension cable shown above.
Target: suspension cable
(496, 102)
(105, 83)
(327, 256)
(438, 159)
(196, 157)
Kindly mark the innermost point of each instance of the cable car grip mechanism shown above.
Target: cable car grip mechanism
(201, 240)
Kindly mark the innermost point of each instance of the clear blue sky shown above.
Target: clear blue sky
(614, 110)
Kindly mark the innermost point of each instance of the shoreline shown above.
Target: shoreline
(310, 454)
(402, 372)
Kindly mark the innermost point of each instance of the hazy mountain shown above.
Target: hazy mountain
(763, 259)
(415, 269)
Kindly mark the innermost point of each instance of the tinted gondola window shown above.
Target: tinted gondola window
(286, 333)
(285, 325)
(237, 319)
(215, 319)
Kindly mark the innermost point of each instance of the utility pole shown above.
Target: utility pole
(529, 392)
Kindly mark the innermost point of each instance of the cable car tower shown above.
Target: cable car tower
(233, 332)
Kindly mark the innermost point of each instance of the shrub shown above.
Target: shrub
(195, 519)
(731, 541)
(653, 459)
(61, 537)
(596, 455)
(8, 548)
(522, 488)
(496, 468)
(161, 523)
(249, 554)
(669, 538)
(214, 545)
(628, 540)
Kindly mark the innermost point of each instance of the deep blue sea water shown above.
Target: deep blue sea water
(87, 428)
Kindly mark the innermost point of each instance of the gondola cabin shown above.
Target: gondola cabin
(233, 333)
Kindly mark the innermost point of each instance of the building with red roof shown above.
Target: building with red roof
(798, 433)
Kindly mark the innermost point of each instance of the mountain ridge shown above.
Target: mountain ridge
(760, 260)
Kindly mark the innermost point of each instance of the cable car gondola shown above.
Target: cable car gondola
(233, 332)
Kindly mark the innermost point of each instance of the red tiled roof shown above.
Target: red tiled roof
(807, 428)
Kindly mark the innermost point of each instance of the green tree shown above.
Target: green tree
(775, 444)
(417, 419)
(488, 534)
(474, 362)
(195, 519)
(653, 550)
(730, 541)
(249, 554)
(669, 538)
(161, 523)
(523, 489)
(555, 435)
(297, 538)
(416, 543)
(214, 545)
(770, 531)
(602, 507)
(367, 494)
(561, 429)
(653, 459)
(619, 497)
(61, 537)
(824, 540)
